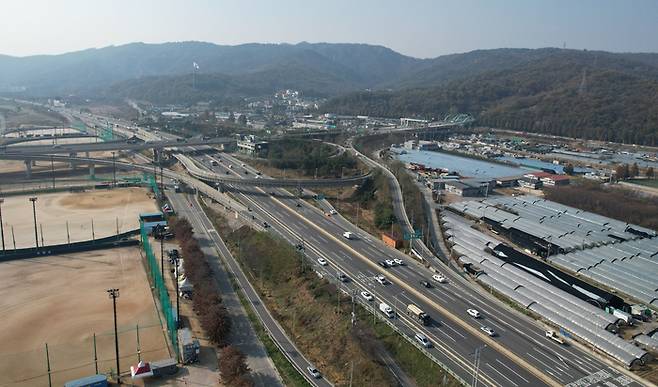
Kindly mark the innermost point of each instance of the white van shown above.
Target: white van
(387, 310)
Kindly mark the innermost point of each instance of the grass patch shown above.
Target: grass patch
(653, 183)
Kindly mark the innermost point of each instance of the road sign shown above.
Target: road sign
(417, 234)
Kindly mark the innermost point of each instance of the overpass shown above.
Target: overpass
(72, 149)
(193, 170)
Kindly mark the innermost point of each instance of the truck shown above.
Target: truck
(620, 314)
(387, 310)
(418, 314)
(554, 336)
(189, 346)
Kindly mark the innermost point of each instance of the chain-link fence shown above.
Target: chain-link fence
(88, 355)
(163, 295)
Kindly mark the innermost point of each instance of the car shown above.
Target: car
(473, 313)
(265, 225)
(227, 172)
(367, 296)
(383, 264)
(390, 262)
(489, 331)
(242, 165)
(332, 212)
(426, 284)
(258, 173)
(298, 205)
(246, 172)
(439, 278)
(273, 193)
(398, 261)
(381, 279)
(422, 339)
(341, 277)
(314, 372)
(322, 261)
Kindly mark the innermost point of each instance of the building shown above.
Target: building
(428, 145)
(463, 189)
(250, 145)
(413, 122)
(506, 182)
(530, 182)
(556, 180)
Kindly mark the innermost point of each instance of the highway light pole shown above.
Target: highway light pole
(2, 226)
(114, 294)
(33, 199)
(114, 169)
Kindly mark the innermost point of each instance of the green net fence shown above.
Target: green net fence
(154, 185)
(161, 289)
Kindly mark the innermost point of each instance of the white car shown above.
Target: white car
(423, 340)
(439, 278)
(314, 372)
(488, 331)
(367, 296)
(381, 279)
(333, 212)
(390, 262)
(322, 261)
(473, 313)
(398, 261)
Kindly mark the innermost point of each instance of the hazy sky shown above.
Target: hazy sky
(421, 28)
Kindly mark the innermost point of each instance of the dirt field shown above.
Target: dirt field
(62, 301)
(105, 207)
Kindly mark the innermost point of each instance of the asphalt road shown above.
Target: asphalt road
(457, 335)
(203, 226)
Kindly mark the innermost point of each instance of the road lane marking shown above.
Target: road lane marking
(501, 374)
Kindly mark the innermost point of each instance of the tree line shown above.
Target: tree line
(207, 303)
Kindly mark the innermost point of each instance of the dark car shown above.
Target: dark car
(426, 284)
(383, 264)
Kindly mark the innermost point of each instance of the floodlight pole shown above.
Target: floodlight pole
(34, 214)
(2, 227)
(114, 294)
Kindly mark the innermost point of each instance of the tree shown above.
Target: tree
(649, 173)
(621, 172)
(568, 169)
(242, 120)
(233, 366)
(634, 170)
(216, 322)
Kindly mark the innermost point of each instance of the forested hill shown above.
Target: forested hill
(604, 96)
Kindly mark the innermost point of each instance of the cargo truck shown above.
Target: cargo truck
(554, 336)
(387, 310)
(418, 314)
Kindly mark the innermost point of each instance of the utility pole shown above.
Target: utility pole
(41, 230)
(114, 294)
(114, 169)
(52, 170)
(34, 214)
(50, 381)
(93, 234)
(95, 355)
(2, 226)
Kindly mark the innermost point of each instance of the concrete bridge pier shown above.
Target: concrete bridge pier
(28, 168)
(73, 164)
(92, 170)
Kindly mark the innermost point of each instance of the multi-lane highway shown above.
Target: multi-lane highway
(520, 355)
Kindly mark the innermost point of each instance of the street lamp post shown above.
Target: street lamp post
(2, 227)
(114, 169)
(34, 214)
(114, 294)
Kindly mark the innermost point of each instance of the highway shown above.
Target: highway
(520, 355)
(199, 219)
(521, 340)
